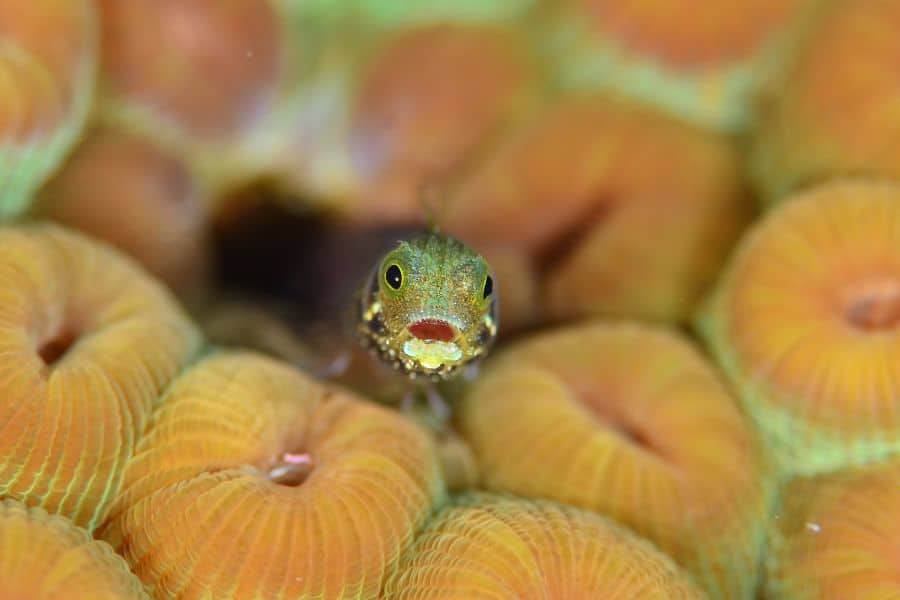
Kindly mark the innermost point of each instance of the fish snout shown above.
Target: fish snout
(432, 330)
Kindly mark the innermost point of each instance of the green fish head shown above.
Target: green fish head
(429, 306)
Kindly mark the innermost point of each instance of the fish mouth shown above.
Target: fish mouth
(432, 343)
(432, 330)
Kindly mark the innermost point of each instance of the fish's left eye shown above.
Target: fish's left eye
(488, 286)
(394, 276)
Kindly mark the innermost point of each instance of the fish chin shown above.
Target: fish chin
(432, 354)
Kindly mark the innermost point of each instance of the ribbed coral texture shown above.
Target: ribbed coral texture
(46, 557)
(836, 536)
(630, 421)
(494, 546)
(206, 508)
(87, 343)
(804, 321)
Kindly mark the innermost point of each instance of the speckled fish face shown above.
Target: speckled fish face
(429, 306)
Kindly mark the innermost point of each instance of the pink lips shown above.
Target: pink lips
(433, 330)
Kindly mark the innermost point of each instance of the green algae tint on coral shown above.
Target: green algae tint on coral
(488, 546)
(702, 61)
(380, 14)
(832, 109)
(48, 56)
(630, 421)
(87, 343)
(46, 557)
(838, 536)
(805, 322)
(253, 480)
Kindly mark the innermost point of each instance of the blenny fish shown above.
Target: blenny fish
(422, 303)
(429, 307)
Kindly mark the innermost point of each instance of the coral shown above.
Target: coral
(630, 421)
(385, 16)
(404, 112)
(425, 102)
(836, 536)
(48, 60)
(211, 81)
(251, 158)
(621, 210)
(458, 463)
(202, 77)
(703, 63)
(133, 194)
(496, 546)
(805, 319)
(832, 109)
(517, 294)
(254, 480)
(44, 557)
(87, 342)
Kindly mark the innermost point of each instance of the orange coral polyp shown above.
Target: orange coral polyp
(495, 546)
(703, 61)
(425, 103)
(832, 109)
(49, 46)
(48, 57)
(701, 35)
(210, 502)
(630, 421)
(44, 557)
(837, 536)
(208, 68)
(805, 321)
(87, 342)
(621, 211)
(138, 197)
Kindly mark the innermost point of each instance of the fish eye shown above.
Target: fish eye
(488, 286)
(393, 276)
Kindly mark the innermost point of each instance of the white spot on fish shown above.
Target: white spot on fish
(432, 354)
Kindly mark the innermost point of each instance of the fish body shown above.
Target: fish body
(429, 307)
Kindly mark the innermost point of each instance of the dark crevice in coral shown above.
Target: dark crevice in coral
(602, 411)
(54, 349)
(310, 262)
(633, 435)
(562, 245)
(877, 309)
(629, 433)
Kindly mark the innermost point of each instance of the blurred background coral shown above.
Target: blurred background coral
(692, 215)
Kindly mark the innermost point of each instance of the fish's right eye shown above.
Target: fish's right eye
(488, 286)
(393, 276)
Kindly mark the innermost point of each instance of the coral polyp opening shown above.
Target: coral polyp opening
(634, 436)
(876, 307)
(606, 418)
(291, 469)
(56, 347)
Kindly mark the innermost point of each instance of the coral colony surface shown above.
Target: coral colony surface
(691, 217)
